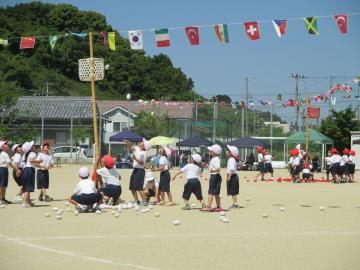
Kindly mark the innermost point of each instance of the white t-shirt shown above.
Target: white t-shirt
(350, 159)
(46, 160)
(344, 160)
(291, 161)
(305, 170)
(140, 155)
(297, 161)
(165, 162)
(328, 160)
(335, 159)
(32, 156)
(268, 158)
(85, 186)
(4, 159)
(260, 157)
(109, 176)
(214, 165)
(191, 171)
(231, 167)
(16, 160)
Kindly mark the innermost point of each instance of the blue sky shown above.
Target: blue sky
(269, 62)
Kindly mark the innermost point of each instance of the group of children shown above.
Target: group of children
(264, 165)
(24, 162)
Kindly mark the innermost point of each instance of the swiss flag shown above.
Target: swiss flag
(341, 20)
(192, 33)
(252, 30)
(27, 42)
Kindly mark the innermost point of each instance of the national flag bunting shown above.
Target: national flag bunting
(136, 40)
(108, 40)
(81, 35)
(222, 33)
(192, 33)
(52, 41)
(27, 42)
(4, 42)
(341, 20)
(314, 112)
(311, 25)
(280, 27)
(252, 30)
(162, 38)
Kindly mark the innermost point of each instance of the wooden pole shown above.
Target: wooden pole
(307, 128)
(92, 76)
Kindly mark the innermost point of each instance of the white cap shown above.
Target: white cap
(196, 157)
(298, 146)
(149, 176)
(168, 151)
(147, 144)
(84, 172)
(215, 148)
(233, 150)
(27, 146)
(15, 146)
(2, 143)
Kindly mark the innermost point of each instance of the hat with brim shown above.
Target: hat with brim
(15, 146)
(215, 148)
(2, 143)
(196, 158)
(233, 150)
(147, 144)
(27, 146)
(84, 172)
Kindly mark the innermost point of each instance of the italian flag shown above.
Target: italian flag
(162, 38)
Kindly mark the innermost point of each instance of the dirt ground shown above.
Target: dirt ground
(301, 237)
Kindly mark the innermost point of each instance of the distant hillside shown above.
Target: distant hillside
(130, 71)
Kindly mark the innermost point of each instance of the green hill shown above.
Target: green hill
(23, 71)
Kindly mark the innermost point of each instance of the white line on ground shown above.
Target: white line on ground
(319, 233)
(70, 254)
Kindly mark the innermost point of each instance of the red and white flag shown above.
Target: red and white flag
(341, 20)
(252, 30)
(192, 33)
(27, 43)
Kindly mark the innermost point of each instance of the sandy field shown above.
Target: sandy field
(301, 237)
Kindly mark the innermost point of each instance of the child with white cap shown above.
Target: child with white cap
(138, 174)
(4, 172)
(85, 194)
(232, 183)
(42, 175)
(28, 173)
(111, 179)
(215, 179)
(163, 167)
(16, 162)
(150, 186)
(193, 185)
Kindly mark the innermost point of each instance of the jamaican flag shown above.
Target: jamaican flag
(311, 25)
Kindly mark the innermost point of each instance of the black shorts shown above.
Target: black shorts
(346, 169)
(28, 179)
(352, 168)
(268, 168)
(164, 185)
(42, 179)
(137, 179)
(335, 169)
(306, 175)
(86, 199)
(193, 185)
(261, 167)
(4, 177)
(232, 186)
(111, 191)
(17, 178)
(295, 171)
(214, 184)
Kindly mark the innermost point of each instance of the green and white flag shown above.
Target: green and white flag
(52, 41)
(162, 38)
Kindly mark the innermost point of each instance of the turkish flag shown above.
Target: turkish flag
(192, 33)
(252, 30)
(341, 20)
(314, 112)
(27, 42)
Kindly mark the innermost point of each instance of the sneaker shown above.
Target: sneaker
(48, 198)
(18, 198)
(186, 207)
(97, 208)
(234, 206)
(25, 205)
(32, 204)
(81, 208)
(218, 209)
(206, 209)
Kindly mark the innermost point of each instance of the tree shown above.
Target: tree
(150, 125)
(338, 125)
(223, 98)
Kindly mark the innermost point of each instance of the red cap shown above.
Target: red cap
(352, 152)
(334, 150)
(346, 151)
(258, 149)
(294, 152)
(109, 162)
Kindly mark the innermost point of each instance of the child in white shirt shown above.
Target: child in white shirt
(42, 177)
(232, 183)
(5, 162)
(16, 162)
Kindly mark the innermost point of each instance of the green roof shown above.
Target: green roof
(314, 137)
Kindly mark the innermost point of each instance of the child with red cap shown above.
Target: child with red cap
(335, 165)
(351, 166)
(111, 179)
(328, 164)
(306, 174)
(344, 165)
(260, 164)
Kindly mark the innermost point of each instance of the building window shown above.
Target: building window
(119, 126)
(61, 138)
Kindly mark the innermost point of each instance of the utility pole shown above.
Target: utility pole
(242, 120)
(297, 110)
(215, 116)
(47, 87)
(247, 104)
(271, 127)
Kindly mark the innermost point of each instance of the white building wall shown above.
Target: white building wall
(355, 135)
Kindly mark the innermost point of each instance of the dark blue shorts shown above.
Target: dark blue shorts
(351, 168)
(86, 199)
(4, 177)
(268, 168)
(214, 184)
(137, 179)
(261, 167)
(335, 169)
(232, 186)
(111, 191)
(42, 179)
(17, 178)
(306, 175)
(28, 179)
(192, 186)
(164, 185)
(295, 171)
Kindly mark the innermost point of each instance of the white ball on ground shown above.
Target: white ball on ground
(322, 208)
(157, 214)
(116, 215)
(150, 206)
(119, 210)
(145, 210)
(66, 203)
(282, 208)
(59, 212)
(68, 209)
(265, 215)
(2, 206)
(47, 214)
(225, 220)
(176, 222)
(59, 217)
(113, 212)
(248, 199)
(222, 213)
(98, 212)
(137, 208)
(193, 205)
(76, 213)
(55, 209)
